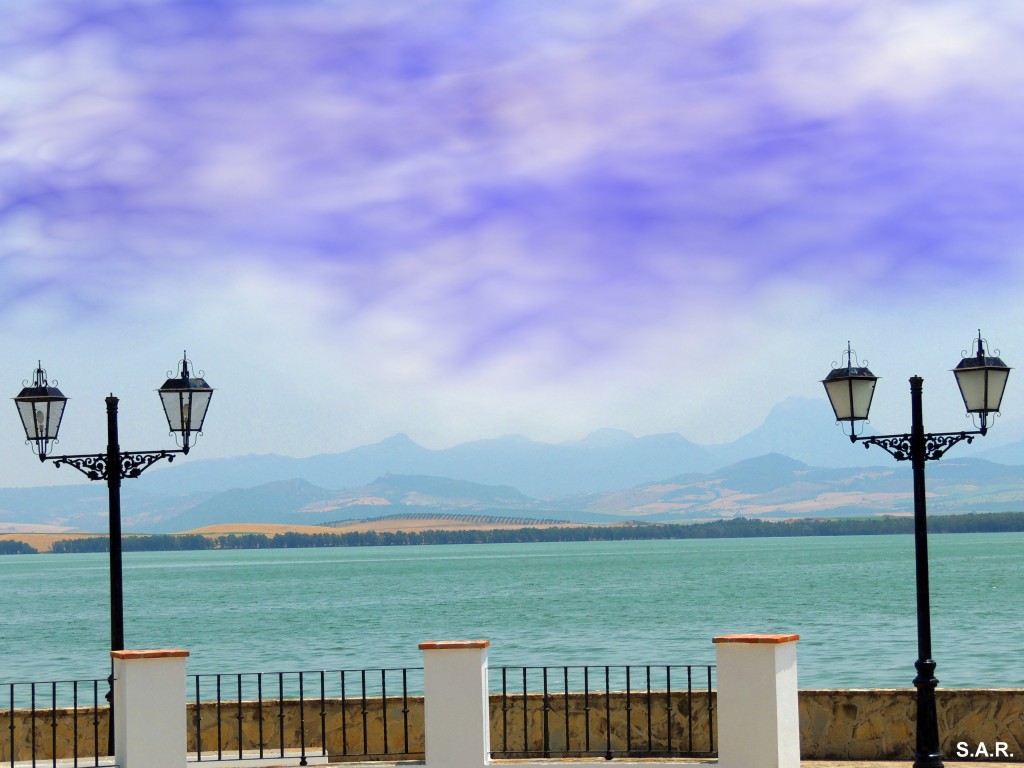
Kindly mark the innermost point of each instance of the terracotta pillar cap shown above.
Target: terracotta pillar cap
(755, 638)
(158, 653)
(453, 645)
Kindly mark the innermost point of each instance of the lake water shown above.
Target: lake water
(850, 598)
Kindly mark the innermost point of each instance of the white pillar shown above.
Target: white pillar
(457, 726)
(758, 714)
(149, 708)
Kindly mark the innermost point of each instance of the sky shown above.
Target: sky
(461, 220)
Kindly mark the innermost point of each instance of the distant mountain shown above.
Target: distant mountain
(282, 501)
(421, 490)
(605, 460)
(796, 463)
(540, 470)
(85, 507)
(775, 486)
(803, 428)
(299, 502)
(1011, 453)
(770, 486)
(397, 454)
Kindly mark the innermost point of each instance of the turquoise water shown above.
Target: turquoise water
(850, 598)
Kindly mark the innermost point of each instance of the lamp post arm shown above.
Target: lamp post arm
(96, 466)
(900, 447)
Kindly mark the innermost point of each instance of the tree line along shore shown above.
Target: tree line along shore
(733, 528)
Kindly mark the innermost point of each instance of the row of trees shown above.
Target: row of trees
(16, 548)
(719, 529)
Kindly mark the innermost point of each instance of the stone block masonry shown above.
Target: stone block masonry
(878, 724)
(869, 724)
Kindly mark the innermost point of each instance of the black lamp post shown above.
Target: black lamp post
(40, 405)
(982, 380)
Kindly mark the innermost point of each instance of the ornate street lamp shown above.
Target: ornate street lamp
(185, 400)
(41, 406)
(982, 380)
(850, 391)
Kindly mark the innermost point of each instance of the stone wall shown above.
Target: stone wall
(351, 729)
(49, 731)
(878, 724)
(872, 724)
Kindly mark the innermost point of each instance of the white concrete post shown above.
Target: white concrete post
(149, 708)
(457, 726)
(758, 714)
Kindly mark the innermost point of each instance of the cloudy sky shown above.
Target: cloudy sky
(460, 220)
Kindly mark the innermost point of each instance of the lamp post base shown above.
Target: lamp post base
(927, 754)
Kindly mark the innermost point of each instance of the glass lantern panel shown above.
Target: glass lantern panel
(185, 408)
(41, 418)
(195, 412)
(172, 408)
(850, 397)
(982, 388)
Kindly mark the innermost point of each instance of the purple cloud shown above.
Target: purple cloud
(509, 170)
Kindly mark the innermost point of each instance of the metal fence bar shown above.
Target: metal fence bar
(608, 712)
(586, 706)
(323, 713)
(220, 723)
(384, 706)
(565, 687)
(302, 720)
(711, 717)
(526, 714)
(344, 719)
(33, 725)
(689, 705)
(405, 709)
(650, 718)
(53, 723)
(238, 688)
(668, 704)
(96, 721)
(259, 708)
(504, 709)
(198, 717)
(547, 710)
(629, 713)
(74, 737)
(280, 711)
(10, 714)
(366, 746)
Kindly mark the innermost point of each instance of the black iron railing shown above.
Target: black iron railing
(340, 714)
(373, 714)
(63, 720)
(602, 711)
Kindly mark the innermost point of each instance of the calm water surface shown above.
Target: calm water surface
(850, 598)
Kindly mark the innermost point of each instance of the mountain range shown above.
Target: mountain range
(791, 466)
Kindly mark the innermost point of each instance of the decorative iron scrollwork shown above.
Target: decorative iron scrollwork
(130, 465)
(936, 445)
(896, 445)
(901, 448)
(134, 464)
(93, 467)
